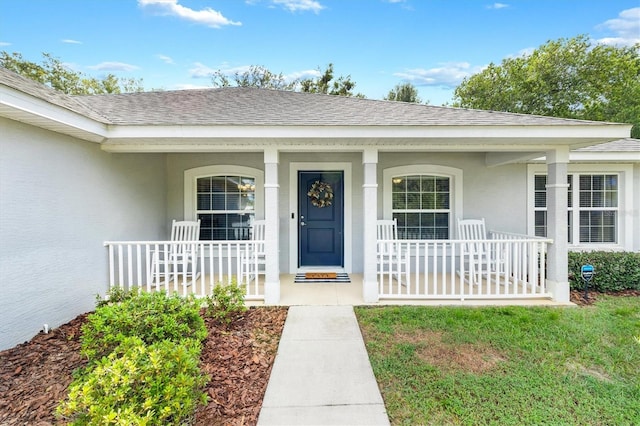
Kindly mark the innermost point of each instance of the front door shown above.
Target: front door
(320, 218)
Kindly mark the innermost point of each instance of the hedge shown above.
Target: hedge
(614, 271)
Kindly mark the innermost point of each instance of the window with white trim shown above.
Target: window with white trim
(226, 199)
(422, 206)
(594, 218)
(426, 199)
(225, 206)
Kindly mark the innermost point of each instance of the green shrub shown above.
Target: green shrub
(138, 384)
(226, 302)
(117, 294)
(614, 271)
(152, 317)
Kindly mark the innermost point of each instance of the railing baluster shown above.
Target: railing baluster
(120, 268)
(147, 263)
(503, 266)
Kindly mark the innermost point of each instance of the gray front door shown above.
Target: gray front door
(321, 218)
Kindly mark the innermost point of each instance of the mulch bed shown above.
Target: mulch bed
(578, 297)
(34, 375)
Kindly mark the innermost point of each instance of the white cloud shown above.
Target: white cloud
(206, 16)
(5, 43)
(497, 6)
(302, 75)
(448, 75)
(200, 70)
(527, 51)
(113, 66)
(300, 5)
(164, 58)
(626, 28)
(70, 41)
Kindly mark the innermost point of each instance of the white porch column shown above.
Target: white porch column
(272, 231)
(557, 207)
(370, 216)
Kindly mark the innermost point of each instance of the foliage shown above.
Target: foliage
(325, 83)
(405, 92)
(614, 271)
(117, 294)
(507, 365)
(260, 77)
(226, 302)
(152, 317)
(568, 78)
(156, 384)
(53, 73)
(256, 76)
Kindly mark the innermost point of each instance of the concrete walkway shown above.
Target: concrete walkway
(321, 374)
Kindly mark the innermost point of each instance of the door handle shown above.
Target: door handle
(303, 223)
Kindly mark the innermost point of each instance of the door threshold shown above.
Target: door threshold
(304, 269)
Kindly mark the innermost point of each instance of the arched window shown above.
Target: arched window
(424, 200)
(226, 199)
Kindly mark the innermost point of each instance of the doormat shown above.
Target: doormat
(322, 277)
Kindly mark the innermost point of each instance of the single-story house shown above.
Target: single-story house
(89, 186)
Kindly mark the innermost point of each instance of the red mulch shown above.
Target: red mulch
(578, 297)
(34, 375)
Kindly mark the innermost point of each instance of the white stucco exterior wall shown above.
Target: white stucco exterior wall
(498, 194)
(60, 199)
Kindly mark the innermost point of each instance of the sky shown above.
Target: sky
(178, 44)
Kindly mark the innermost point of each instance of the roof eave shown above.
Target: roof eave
(19, 106)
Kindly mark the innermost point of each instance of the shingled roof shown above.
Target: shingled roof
(621, 145)
(41, 91)
(240, 106)
(251, 106)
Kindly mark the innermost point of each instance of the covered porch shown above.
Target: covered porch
(289, 173)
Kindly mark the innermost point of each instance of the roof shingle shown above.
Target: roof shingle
(241, 106)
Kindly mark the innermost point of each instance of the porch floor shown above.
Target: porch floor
(350, 294)
(323, 294)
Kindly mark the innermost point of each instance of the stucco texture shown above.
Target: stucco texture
(60, 199)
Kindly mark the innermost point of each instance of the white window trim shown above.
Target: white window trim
(191, 176)
(454, 174)
(625, 203)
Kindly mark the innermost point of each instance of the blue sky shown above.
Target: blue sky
(176, 44)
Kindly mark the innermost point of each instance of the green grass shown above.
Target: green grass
(507, 365)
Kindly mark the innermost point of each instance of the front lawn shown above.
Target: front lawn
(507, 365)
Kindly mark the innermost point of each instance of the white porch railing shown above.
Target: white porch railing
(150, 265)
(506, 266)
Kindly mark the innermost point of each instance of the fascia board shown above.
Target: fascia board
(560, 135)
(17, 105)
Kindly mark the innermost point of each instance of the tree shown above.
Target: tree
(325, 83)
(568, 78)
(255, 76)
(260, 77)
(54, 74)
(404, 92)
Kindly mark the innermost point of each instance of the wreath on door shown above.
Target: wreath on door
(321, 194)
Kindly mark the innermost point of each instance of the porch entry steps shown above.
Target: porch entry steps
(322, 277)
